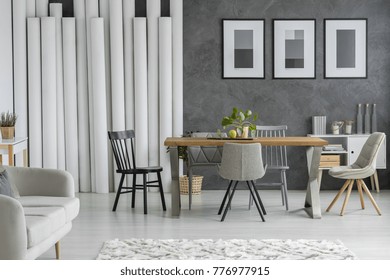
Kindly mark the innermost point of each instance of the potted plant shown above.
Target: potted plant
(242, 121)
(7, 125)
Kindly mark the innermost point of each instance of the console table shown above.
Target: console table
(313, 153)
(10, 147)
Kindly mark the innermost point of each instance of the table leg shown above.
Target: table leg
(25, 158)
(10, 155)
(175, 189)
(312, 201)
(1, 159)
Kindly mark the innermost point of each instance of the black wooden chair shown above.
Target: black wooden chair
(122, 143)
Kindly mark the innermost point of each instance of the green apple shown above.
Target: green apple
(232, 133)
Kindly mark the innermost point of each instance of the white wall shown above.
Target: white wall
(6, 83)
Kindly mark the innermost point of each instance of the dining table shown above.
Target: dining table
(313, 150)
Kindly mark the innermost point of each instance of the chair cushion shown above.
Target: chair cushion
(71, 205)
(351, 172)
(41, 222)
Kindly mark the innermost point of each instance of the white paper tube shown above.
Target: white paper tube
(91, 11)
(56, 11)
(117, 69)
(82, 97)
(176, 7)
(20, 69)
(141, 91)
(153, 11)
(6, 73)
(104, 9)
(99, 104)
(70, 98)
(49, 96)
(30, 8)
(42, 7)
(34, 91)
(128, 17)
(165, 75)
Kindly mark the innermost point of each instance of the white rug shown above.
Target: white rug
(233, 249)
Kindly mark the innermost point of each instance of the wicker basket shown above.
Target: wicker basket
(196, 184)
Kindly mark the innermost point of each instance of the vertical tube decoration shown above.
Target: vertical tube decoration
(20, 68)
(165, 75)
(30, 8)
(70, 98)
(82, 97)
(141, 91)
(176, 7)
(104, 10)
(99, 104)
(128, 43)
(42, 8)
(6, 73)
(49, 96)
(91, 11)
(56, 12)
(117, 70)
(153, 11)
(34, 91)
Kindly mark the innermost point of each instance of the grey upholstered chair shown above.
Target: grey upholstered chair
(276, 158)
(242, 162)
(202, 156)
(363, 167)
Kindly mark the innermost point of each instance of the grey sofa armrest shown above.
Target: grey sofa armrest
(42, 182)
(13, 236)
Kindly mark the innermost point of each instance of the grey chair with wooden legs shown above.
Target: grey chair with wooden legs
(276, 159)
(363, 167)
(241, 162)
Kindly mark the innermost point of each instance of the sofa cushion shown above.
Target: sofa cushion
(71, 205)
(5, 185)
(41, 222)
(14, 190)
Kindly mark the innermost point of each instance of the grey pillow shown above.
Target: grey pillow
(15, 191)
(5, 184)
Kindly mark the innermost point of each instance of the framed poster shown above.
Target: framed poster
(294, 48)
(345, 43)
(243, 48)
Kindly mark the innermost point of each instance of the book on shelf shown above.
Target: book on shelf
(333, 147)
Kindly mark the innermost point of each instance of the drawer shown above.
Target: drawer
(327, 158)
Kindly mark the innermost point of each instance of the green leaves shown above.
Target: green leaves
(239, 119)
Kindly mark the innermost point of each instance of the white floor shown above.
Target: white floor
(362, 231)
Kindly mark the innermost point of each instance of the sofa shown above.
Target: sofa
(39, 216)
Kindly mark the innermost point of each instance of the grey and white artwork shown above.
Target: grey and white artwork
(294, 50)
(243, 48)
(345, 48)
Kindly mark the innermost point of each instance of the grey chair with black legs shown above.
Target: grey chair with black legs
(241, 162)
(122, 143)
(276, 159)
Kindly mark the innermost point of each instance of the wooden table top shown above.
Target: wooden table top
(300, 141)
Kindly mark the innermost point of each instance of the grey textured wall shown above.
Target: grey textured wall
(208, 97)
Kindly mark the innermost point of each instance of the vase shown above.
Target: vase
(367, 123)
(245, 132)
(7, 132)
(359, 120)
(373, 119)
